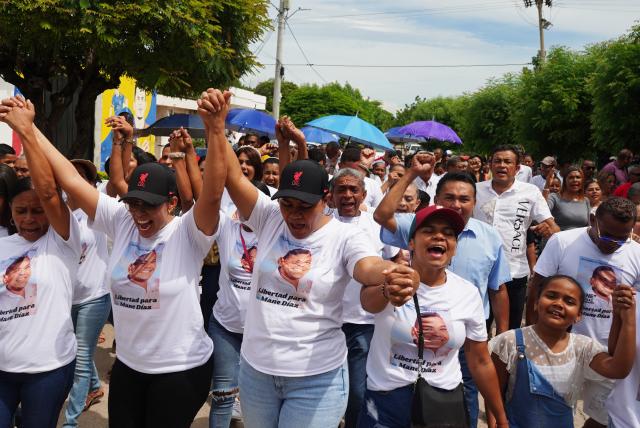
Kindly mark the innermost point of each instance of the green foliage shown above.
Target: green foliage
(67, 48)
(615, 88)
(309, 102)
(266, 89)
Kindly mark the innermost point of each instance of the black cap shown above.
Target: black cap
(152, 183)
(304, 180)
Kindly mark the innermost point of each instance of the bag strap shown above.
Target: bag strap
(519, 341)
(420, 335)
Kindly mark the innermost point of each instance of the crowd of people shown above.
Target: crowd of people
(315, 286)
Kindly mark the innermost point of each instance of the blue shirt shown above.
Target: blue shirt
(479, 257)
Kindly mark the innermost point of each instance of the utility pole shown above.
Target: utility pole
(277, 81)
(543, 24)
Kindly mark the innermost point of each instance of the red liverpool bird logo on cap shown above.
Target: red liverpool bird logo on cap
(142, 180)
(296, 178)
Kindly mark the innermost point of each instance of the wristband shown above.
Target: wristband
(176, 155)
(128, 141)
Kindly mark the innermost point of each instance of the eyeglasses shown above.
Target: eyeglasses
(608, 239)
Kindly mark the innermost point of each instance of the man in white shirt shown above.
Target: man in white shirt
(351, 158)
(600, 258)
(547, 165)
(511, 206)
(428, 181)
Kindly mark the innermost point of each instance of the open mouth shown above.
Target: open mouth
(144, 226)
(297, 226)
(556, 313)
(436, 251)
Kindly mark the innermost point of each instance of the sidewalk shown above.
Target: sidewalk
(96, 416)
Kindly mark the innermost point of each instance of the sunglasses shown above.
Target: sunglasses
(610, 240)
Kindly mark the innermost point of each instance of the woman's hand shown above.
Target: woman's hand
(177, 140)
(18, 113)
(401, 283)
(120, 126)
(213, 107)
(624, 300)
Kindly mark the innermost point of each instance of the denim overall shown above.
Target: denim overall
(534, 403)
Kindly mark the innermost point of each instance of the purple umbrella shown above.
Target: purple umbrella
(431, 130)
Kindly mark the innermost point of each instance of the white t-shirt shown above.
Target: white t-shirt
(566, 371)
(524, 174)
(352, 311)
(36, 331)
(235, 273)
(573, 253)
(295, 329)
(450, 313)
(3, 232)
(92, 267)
(430, 187)
(158, 322)
(374, 192)
(511, 213)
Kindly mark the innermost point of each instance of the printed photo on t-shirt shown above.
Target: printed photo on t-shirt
(598, 280)
(285, 278)
(136, 281)
(18, 293)
(438, 336)
(241, 261)
(83, 253)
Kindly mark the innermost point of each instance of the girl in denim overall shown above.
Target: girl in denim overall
(543, 367)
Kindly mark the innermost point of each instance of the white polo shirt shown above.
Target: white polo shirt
(511, 213)
(524, 174)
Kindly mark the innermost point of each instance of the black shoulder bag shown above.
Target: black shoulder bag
(435, 407)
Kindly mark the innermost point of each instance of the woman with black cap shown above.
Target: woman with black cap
(293, 370)
(450, 316)
(162, 372)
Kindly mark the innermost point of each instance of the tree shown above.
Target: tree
(615, 88)
(309, 102)
(61, 54)
(487, 116)
(553, 105)
(266, 89)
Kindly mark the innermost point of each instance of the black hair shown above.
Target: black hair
(408, 159)
(8, 181)
(263, 140)
(22, 185)
(621, 209)
(507, 148)
(271, 160)
(261, 187)
(142, 157)
(548, 280)
(316, 155)
(254, 160)
(396, 166)
(350, 154)
(463, 177)
(107, 164)
(453, 161)
(424, 197)
(6, 149)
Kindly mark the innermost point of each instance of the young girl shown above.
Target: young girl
(544, 367)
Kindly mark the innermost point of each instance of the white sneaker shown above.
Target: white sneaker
(236, 412)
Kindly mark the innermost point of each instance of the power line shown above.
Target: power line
(303, 54)
(407, 65)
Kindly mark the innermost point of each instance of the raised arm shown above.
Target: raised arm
(19, 115)
(178, 160)
(286, 132)
(617, 363)
(191, 160)
(118, 163)
(213, 107)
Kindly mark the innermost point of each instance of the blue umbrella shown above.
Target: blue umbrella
(431, 130)
(249, 120)
(354, 129)
(163, 127)
(315, 135)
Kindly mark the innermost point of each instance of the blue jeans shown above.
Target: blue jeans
(226, 366)
(88, 320)
(470, 391)
(358, 342)
(40, 394)
(388, 409)
(317, 401)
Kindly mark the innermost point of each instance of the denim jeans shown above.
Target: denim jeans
(388, 409)
(470, 390)
(226, 366)
(317, 401)
(41, 396)
(88, 320)
(358, 342)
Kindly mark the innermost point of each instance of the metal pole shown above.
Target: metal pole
(542, 53)
(277, 81)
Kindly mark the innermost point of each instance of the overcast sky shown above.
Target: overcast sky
(429, 32)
